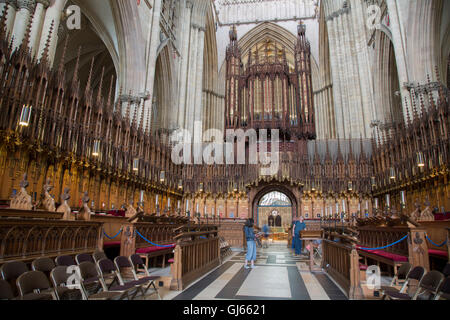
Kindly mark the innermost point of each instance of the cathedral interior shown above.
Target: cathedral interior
(146, 133)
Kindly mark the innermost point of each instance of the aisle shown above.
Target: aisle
(278, 276)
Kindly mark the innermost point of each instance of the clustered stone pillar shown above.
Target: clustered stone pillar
(50, 27)
(36, 25)
(152, 56)
(400, 56)
(184, 63)
(349, 60)
(21, 21)
(11, 6)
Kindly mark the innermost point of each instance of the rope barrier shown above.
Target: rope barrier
(112, 238)
(156, 245)
(389, 245)
(441, 245)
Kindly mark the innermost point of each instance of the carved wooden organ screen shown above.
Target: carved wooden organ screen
(266, 90)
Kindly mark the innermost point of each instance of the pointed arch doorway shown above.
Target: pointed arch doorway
(275, 205)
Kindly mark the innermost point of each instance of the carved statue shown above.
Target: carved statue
(85, 212)
(426, 214)
(138, 214)
(22, 200)
(64, 207)
(131, 211)
(48, 201)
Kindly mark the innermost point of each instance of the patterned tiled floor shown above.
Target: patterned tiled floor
(278, 275)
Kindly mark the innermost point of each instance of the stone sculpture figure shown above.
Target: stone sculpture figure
(22, 200)
(64, 207)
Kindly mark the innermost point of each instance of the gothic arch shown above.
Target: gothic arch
(162, 93)
(386, 84)
(91, 43)
(257, 193)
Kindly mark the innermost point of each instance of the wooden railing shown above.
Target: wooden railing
(233, 233)
(341, 261)
(28, 239)
(197, 252)
(14, 213)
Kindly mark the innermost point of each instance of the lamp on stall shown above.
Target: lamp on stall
(403, 199)
(350, 186)
(392, 173)
(388, 201)
(25, 116)
(420, 160)
(162, 176)
(136, 164)
(96, 148)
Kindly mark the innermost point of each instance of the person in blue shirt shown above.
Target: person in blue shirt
(251, 244)
(266, 230)
(299, 226)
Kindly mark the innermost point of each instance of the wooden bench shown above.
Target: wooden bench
(437, 231)
(153, 252)
(376, 237)
(197, 252)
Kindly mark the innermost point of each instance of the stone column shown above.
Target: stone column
(52, 16)
(190, 98)
(400, 54)
(152, 56)
(338, 105)
(365, 75)
(184, 64)
(10, 15)
(198, 104)
(25, 7)
(36, 25)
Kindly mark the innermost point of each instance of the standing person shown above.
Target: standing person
(292, 236)
(251, 244)
(299, 226)
(265, 230)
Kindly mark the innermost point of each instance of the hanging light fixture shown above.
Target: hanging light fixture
(201, 187)
(25, 116)
(180, 184)
(136, 164)
(235, 187)
(373, 182)
(96, 148)
(350, 186)
(420, 160)
(162, 176)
